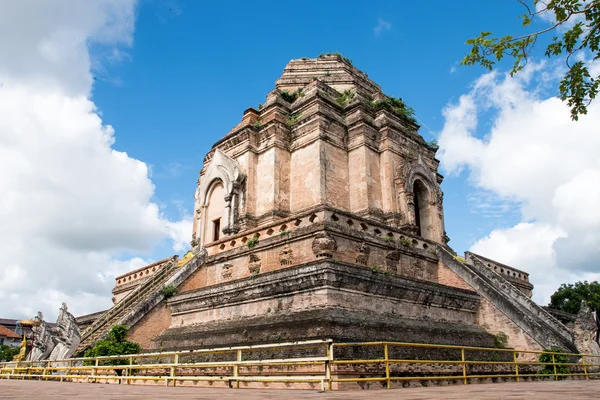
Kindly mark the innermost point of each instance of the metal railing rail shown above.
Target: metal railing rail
(328, 367)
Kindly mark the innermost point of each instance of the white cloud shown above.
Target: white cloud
(533, 155)
(70, 203)
(382, 26)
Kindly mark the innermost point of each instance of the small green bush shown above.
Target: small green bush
(404, 241)
(253, 241)
(558, 360)
(169, 291)
(500, 340)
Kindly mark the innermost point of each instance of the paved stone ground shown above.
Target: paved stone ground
(23, 390)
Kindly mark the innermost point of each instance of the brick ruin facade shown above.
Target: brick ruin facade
(321, 216)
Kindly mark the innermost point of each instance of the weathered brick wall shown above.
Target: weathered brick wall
(195, 281)
(493, 320)
(150, 326)
(447, 277)
(489, 317)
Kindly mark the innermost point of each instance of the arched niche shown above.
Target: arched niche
(421, 203)
(217, 199)
(214, 211)
(423, 209)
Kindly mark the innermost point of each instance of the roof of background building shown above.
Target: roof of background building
(4, 331)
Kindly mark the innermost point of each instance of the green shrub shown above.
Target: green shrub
(115, 345)
(396, 105)
(8, 352)
(558, 360)
(404, 241)
(169, 291)
(500, 340)
(253, 241)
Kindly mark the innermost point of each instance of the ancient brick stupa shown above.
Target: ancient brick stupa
(320, 216)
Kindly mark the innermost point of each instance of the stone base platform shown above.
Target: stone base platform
(324, 299)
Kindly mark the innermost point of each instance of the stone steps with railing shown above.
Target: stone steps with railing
(140, 301)
(531, 318)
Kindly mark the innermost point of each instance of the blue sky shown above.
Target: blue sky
(108, 107)
(194, 67)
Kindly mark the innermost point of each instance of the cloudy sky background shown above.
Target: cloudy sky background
(107, 108)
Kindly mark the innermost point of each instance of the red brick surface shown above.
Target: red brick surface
(35, 390)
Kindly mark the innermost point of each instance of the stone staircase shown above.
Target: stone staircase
(530, 317)
(140, 301)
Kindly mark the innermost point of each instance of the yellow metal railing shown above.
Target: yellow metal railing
(317, 362)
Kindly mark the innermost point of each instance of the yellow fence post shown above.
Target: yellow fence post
(236, 368)
(328, 364)
(464, 364)
(387, 365)
(516, 365)
(95, 370)
(584, 368)
(173, 369)
(554, 365)
(129, 370)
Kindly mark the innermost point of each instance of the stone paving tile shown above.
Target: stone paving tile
(567, 390)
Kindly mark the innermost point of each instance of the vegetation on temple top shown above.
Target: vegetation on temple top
(433, 144)
(291, 97)
(396, 105)
(581, 17)
(338, 55)
(568, 296)
(346, 96)
(115, 345)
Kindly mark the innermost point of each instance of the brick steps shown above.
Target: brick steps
(99, 329)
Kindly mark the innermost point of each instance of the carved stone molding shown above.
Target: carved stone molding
(324, 245)
(254, 264)
(286, 255)
(226, 271)
(363, 254)
(391, 261)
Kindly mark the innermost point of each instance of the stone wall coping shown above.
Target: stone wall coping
(332, 274)
(367, 228)
(154, 264)
(497, 263)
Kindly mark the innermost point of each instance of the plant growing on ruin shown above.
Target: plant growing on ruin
(433, 144)
(500, 340)
(389, 238)
(404, 241)
(256, 124)
(558, 360)
(292, 119)
(254, 274)
(346, 96)
(374, 270)
(338, 55)
(290, 97)
(396, 105)
(169, 291)
(115, 345)
(260, 106)
(253, 241)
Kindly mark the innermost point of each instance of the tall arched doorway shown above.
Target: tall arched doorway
(422, 210)
(215, 209)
